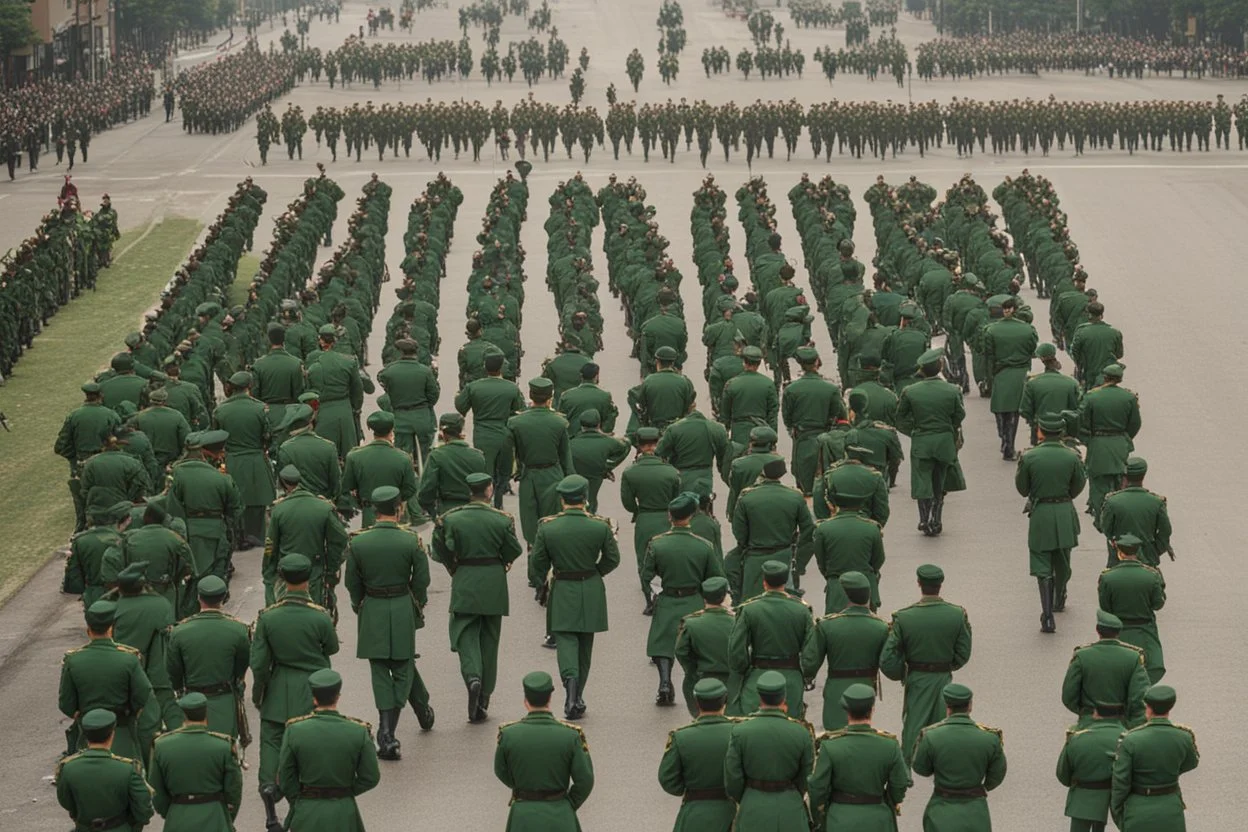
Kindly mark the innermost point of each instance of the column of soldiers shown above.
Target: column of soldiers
(219, 96)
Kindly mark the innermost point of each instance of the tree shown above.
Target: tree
(16, 29)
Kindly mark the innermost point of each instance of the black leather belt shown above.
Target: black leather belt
(576, 576)
(1107, 433)
(386, 591)
(704, 794)
(766, 550)
(1091, 784)
(202, 514)
(194, 799)
(853, 673)
(1052, 500)
(211, 690)
(680, 591)
(971, 793)
(930, 667)
(1154, 791)
(538, 794)
(541, 467)
(325, 792)
(856, 799)
(411, 407)
(100, 824)
(1134, 622)
(770, 785)
(478, 562)
(786, 663)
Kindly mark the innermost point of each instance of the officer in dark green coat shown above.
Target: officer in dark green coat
(85, 566)
(171, 566)
(770, 757)
(545, 763)
(848, 541)
(930, 412)
(477, 544)
(277, 376)
(1008, 347)
(749, 400)
(378, 463)
(209, 654)
(166, 427)
(320, 469)
(850, 642)
(207, 500)
(100, 788)
(143, 620)
(702, 640)
(663, 396)
(565, 369)
(413, 390)
(327, 762)
(595, 453)
(588, 396)
(1109, 419)
(680, 561)
(860, 776)
(692, 767)
(1085, 768)
(1051, 476)
(1145, 795)
(104, 674)
(965, 760)
(387, 576)
(1135, 591)
(769, 521)
(335, 376)
(646, 488)
(696, 447)
(82, 435)
(927, 641)
(579, 548)
(811, 406)
(443, 482)
(1050, 391)
(307, 524)
(246, 419)
(492, 400)
(768, 635)
(1136, 510)
(293, 638)
(538, 438)
(197, 784)
(1107, 670)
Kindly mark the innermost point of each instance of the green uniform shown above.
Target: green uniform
(81, 435)
(1152, 756)
(580, 549)
(646, 487)
(768, 634)
(277, 380)
(1051, 476)
(84, 568)
(306, 524)
(336, 378)
(546, 764)
(246, 457)
(1085, 767)
(1107, 670)
(930, 412)
(442, 485)
(328, 760)
(99, 785)
(167, 429)
(1138, 511)
(538, 437)
(695, 446)
(477, 544)
(112, 476)
(1008, 347)
(702, 648)
(170, 563)
(209, 654)
(565, 370)
(493, 400)
(1109, 419)
(1094, 347)
(105, 674)
(850, 641)
(849, 541)
(293, 639)
(320, 469)
(681, 561)
(595, 456)
(768, 520)
(413, 390)
(770, 757)
(1049, 392)
(1134, 591)
(748, 400)
(661, 398)
(209, 502)
(191, 762)
(926, 642)
(374, 465)
(693, 767)
(811, 406)
(860, 777)
(966, 760)
(588, 396)
(143, 622)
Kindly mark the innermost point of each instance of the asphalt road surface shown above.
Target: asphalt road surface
(1161, 236)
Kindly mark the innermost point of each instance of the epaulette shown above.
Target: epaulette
(810, 728)
(367, 726)
(126, 648)
(295, 719)
(355, 532)
(1000, 734)
(69, 653)
(879, 732)
(579, 730)
(831, 735)
(884, 426)
(221, 736)
(830, 616)
(747, 602)
(506, 725)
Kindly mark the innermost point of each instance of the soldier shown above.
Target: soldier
(646, 488)
(927, 642)
(681, 561)
(493, 400)
(663, 396)
(1051, 476)
(749, 400)
(307, 524)
(860, 777)
(315, 457)
(585, 396)
(1107, 670)
(851, 641)
(472, 355)
(538, 438)
(965, 759)
(378, 463)
(327, 761)
(1050, 391)
(1150, 759)
(692, 767)
(246, 420)
(165, 551)
(849, 541)
(442, 485)
(336, 377)
(1134, 591)
(85, 566)
(99, 786)
(292, 638)
(387, 577)
(1138, 511)
(702, 641)
(413, 390)
(811, 406)
(208, 654)
(1096, 345)
(768, 635)
(1109, 419)
(142, 621)
(565, 369)
(81, 436)
(545, 762)
(595, 453)
(1085, 767)
(581, 550)
(465, 539)
(104, 674)
(769, 520)
(207, 500)
(277, 377)
(1008, 347)
(769, 761)
(930, 412)
(197, 783)
(695, 446)
(166, 427)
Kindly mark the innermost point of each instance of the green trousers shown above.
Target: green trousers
(1053, 564)
(1098, 486)
(574, 652)
(271, 734)
(392, 681)
(475, 639)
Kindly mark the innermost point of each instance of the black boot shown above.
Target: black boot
(387, 745)
(1047, 624)
(550, 643)
(474, 699)
(1000, 420)
(483, 708)
(424, 714)
(1011, 433)
(570, 702)
(935, 525)
(667, 694)
(268, 795)
(925, 511)
(1059, 596)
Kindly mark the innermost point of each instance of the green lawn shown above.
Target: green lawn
(36, 514)
(248, 265)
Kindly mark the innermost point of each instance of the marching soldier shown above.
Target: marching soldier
(851, 641)
(1050, 391)
(413, 390)
(314, 456)
(443, 482)
(142, 621)
(207, 499)
(82, 435)
(209, 654)
(538, 437)
(246, 420)
(770, 519)
(663, 396)
(1145, 794)
(811, 406)
(98, 787)
(647, 487)
(692, 767)
(277, 377)
(588, 395)
(1138, 511)
(1109, 419)
(493, 400)
(965, 759)
(702, 640)
(378, 463)
(768, 635)
(595, 453)
(848, 541)
(307, 524)
(197, 783)
(1008, 346)
(930, 412)
(88, 552)
(1085, 767)
(1135, 591)
(1107, 670)
(749, 400)
(335, 376)
(696, 447)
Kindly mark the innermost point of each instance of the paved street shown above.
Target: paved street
(1161, 236)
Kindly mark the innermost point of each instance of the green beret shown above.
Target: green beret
(709, 688)
(384, 495)
(868, 360)
(451, 420)
(858, 400)
(1128, 543)
(297, 416)
(133, 339)
(857, 694)
(752, 354)
(806, 355)
(328, 331)
(193, 701)
(932, 356)
(379, 421)
(714, 587)
(1046, 350)
(194, 440)
(930, 573)
(207, 310)
(241, 379)
(132, 575)
(771, 681)
(854, 580)
(774, 469)
(210, 586)
(122, 362)
(1136, 466)
(590, 417)
(725, 303)
(683, 505)
(848, 497)
(1051, 422)
(666, 354)
(762, 435)
(573, 486)
(537, 682)
(1114, 370)
(1160, 697)
(325, 679)
(91, 387)
(647, 434)
(477, 478)
(1107, 620)
(775, 571)
(290, 475)
(213, 440)
(541, 385)
(160, 394)
(295, 568)
(98, 723)
(909, 312)
(956, 694)
(101, 614)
